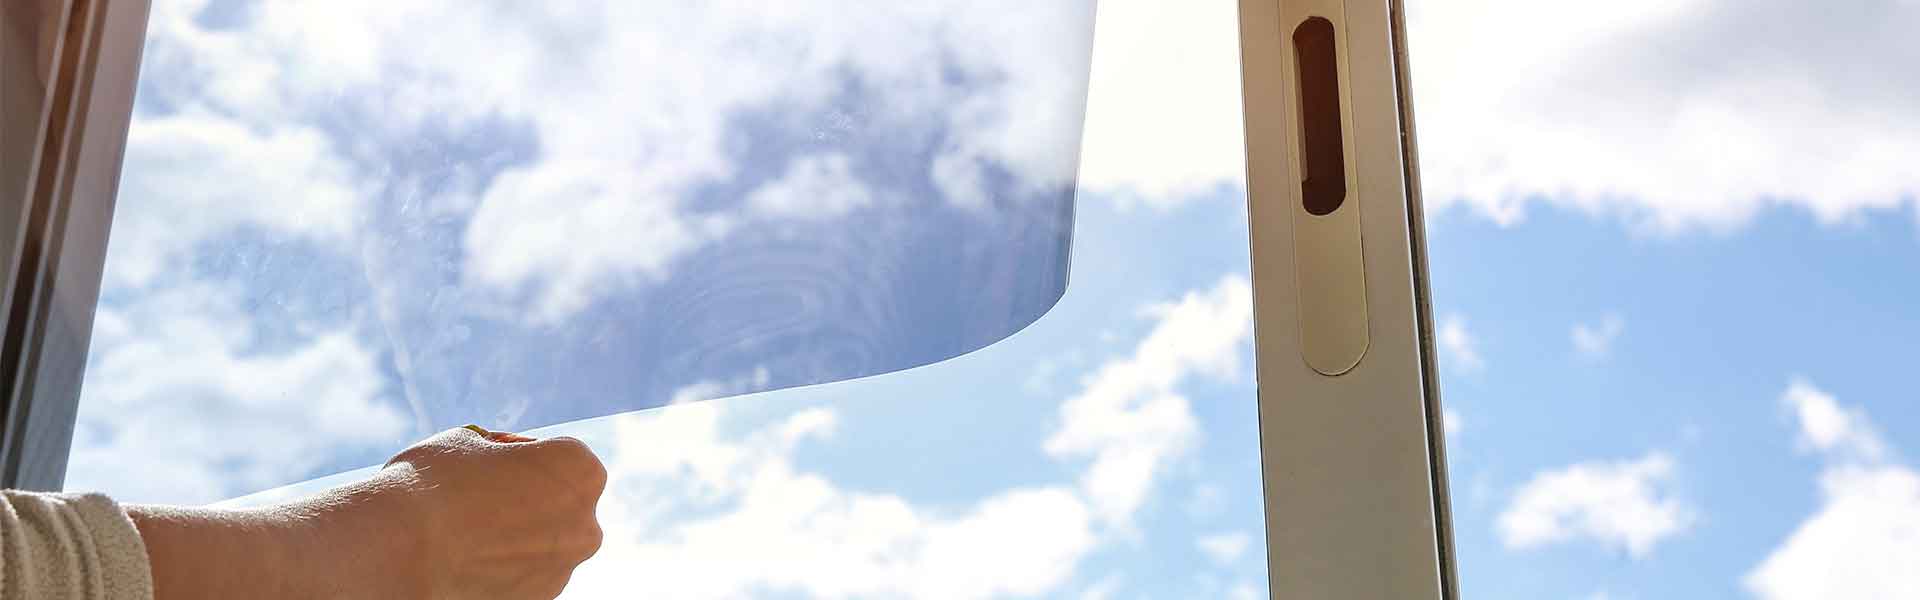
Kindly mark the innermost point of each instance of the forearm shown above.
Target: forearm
(317, 548)
(453, 516)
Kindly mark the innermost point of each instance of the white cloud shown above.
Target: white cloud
(1596, 341)
(1130, 417)
(622, 148)
(1668, 113)
(729, 512)
(190, 176)
(814, 187)
(1862, 543)
(527, 219)
(1625, 504)
(722, 516)
(709, 390)
(1827, 427)
(1163, 108)
(1457, 346)
(1453, 422)
(1864, 539)
(1224, 548)
(180, 407)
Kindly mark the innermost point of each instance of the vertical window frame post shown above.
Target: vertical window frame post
(1353, 463)
(82, 62)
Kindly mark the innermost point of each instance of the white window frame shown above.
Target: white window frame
(1353, 465)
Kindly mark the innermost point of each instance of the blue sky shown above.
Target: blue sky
(1673, 270)
(1714, 331)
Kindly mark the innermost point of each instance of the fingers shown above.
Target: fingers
(578, 459)
(565, 457)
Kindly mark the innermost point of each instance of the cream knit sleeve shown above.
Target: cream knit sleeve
(70, 547)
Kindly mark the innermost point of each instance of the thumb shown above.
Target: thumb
(501, 437)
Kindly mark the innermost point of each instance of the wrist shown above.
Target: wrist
(367, 539)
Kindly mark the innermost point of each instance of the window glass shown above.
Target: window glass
(1672, 266)
(1107, 449)
(1673, 258)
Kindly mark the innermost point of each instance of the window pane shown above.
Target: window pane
(1111, 447)
(1108, 449)
(1673, 258)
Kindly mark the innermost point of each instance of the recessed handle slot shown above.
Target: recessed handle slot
(1330, 269)
(1324, 156)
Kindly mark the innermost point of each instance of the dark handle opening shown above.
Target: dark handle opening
(1323, 148)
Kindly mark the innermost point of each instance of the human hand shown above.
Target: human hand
(459, 515)
(495, 515)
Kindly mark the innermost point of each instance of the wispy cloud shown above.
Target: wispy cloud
(1595, 341)
(1827, 427)
(1453, 422)
(1458, 349)
(813, 187)
(1224, 548)
(1207, 501)
(1625, 504)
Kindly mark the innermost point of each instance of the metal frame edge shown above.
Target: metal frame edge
(59, 268)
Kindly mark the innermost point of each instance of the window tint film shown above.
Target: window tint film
(370, 221)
